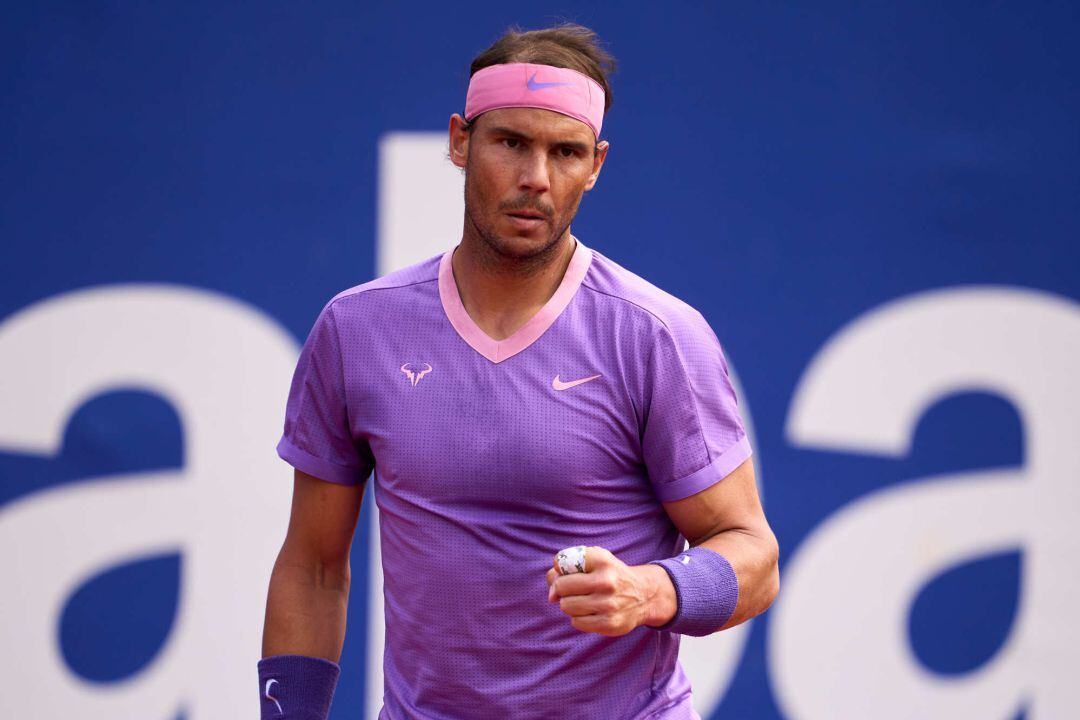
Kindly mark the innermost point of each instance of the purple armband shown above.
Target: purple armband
(706, 591)
(296, 687)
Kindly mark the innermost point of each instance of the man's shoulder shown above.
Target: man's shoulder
(398, 285)
(631, 292)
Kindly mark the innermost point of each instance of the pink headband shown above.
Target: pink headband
(536, 86)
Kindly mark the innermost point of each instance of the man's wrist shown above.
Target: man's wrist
(706, 591)
(662, 601)
(296, 687)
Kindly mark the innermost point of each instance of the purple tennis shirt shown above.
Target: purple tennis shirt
(490, 456)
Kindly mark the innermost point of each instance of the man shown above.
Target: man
(540, 422)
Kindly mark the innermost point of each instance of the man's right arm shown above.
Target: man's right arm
(309, 588)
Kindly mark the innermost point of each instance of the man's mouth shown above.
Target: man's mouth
(527, 214)
(526, 220)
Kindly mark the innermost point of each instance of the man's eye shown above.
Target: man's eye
(511, 142)
(567, 152)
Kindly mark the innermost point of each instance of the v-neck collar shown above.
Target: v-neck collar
(498, 350)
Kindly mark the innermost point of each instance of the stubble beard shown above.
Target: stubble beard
(511, 254)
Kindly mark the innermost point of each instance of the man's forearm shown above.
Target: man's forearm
(306, 609)
(753, 557)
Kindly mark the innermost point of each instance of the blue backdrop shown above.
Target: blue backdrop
(855, 195)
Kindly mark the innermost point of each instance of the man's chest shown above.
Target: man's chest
(552, 426)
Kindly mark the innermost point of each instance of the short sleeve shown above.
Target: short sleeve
(693, 434)
(318, 439)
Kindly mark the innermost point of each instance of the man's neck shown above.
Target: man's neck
(501, 294)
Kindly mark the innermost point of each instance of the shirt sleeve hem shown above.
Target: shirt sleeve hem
(318, 467)
(707, 476)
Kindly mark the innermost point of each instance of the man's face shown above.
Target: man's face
(525, 172)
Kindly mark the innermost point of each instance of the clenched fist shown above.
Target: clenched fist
(610, 597)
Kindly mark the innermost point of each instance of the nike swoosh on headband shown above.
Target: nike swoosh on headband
(534, 86)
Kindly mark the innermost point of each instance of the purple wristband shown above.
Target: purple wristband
(296, 687)
(706, 591)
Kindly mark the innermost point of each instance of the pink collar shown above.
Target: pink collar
(498, 350)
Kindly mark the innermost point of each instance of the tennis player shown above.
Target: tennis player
(546, 429)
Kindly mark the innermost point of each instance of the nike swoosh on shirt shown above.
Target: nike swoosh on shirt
(560, 385)
(534, 86)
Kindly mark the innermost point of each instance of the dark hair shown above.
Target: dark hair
(566, 45)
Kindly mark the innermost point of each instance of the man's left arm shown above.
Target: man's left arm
(728, 519)
(612, 598)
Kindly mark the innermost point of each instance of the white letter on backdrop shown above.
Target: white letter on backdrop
(225, 368)
(838, 645)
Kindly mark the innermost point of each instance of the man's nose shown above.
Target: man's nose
(535, 173)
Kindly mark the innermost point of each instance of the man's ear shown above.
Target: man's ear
(598, 162)
(459, 140)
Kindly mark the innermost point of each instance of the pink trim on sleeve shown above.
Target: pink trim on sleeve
(707, 476)
(318, 467)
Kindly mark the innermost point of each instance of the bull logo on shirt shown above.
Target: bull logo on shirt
(410, 372)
